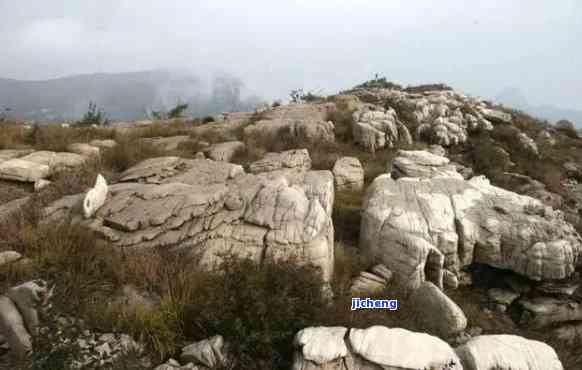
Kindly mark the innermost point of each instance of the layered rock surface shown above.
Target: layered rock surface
(377, 347)
(208, 209)
(421, 228)
(376, 128)
(442, 117)
(303, 123)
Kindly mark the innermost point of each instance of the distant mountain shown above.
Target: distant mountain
(515, 98)
(123, 96)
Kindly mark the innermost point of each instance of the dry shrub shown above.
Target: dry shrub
(57, 138)
(346, 216)
(129, 151)
(12, 136)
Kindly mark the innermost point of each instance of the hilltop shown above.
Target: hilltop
(240, 239)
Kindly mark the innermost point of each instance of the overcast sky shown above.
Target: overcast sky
(479, 46)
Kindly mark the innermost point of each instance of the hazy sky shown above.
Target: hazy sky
(479, 46)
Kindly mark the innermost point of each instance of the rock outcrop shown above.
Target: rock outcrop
(37, 165)
(375, 128)
(442, 117)
(422, 164)
(377, 347)
(225, 151)
(207, 208)
(437, 313)
(19, 314)
(348, 174)
(420, 227)
(507, 352)
(300, 123)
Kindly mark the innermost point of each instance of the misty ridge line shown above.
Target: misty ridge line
(127, 96)
(124, 96)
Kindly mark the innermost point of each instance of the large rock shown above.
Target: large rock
(507, 352)
(56, 161)
(95, 197)
(290, 159)
(320, 346)
(419, 163)
(540, 312)
(209, 209)
(348, 174)
(496, 116)
(210, 353)
(38, 165)
(225, 151)
(19, 317)
(298, 123)
(21, 170)
(84, 149)
(418, 227)
(439, 314)
(442, 117)
(377, 347)
(375, 128)
(103, 144)
(6, 154)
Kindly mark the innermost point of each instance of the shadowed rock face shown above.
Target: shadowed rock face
(420, 228)
(210, 208)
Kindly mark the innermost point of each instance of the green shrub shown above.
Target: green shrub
(258, 309)
(93, 116)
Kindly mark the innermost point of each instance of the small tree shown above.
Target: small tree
(178, 110)
(94, 116)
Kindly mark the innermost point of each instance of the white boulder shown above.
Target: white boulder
(507, 352)
(95, 197)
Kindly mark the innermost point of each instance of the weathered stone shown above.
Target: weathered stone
(422, 164)
(320, 345)
(301, 123)
(527, 143)
(6, 154)
(95, 197)
(507, 352)
(497, 116)
(377, 347)
(103, 144)
(8, 257)
(541, 312)
(23, 170)
(209, 352)
(291, 159)
(374, 128)
(55, 161)
(418, 227)
(397, 348)
(348, 174)
(502, 296)
(439, 314)
(84, 149)
(225, 151)
(41, 184)
(211, 209)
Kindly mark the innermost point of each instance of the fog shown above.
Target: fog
(479, 47)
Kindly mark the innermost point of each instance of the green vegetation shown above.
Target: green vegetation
(93, 117)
